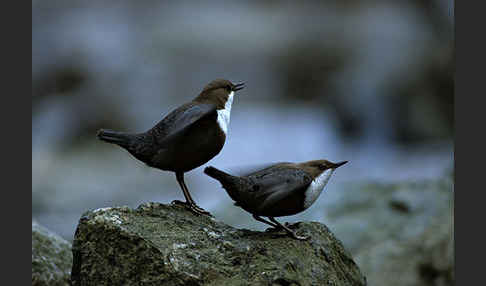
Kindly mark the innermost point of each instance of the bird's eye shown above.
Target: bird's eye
(322, 167)
(228, 88)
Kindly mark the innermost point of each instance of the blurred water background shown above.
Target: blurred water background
(371, 82)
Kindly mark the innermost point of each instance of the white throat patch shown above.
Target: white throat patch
(224, 114)
(316, 187)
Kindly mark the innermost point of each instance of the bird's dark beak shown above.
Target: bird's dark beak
(239, 86)
(338, 164)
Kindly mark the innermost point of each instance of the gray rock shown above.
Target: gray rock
(159, 244)
(51, 258)
(399, 234)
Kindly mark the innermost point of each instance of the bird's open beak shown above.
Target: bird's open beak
(239, 86)
(339, 164)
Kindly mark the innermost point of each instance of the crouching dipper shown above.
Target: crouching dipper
(186, 138)
(282, 189)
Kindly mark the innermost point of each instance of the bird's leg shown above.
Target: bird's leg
(193, 203)
(189, 201)
(185, 191)
(258, 218)
(292, 233)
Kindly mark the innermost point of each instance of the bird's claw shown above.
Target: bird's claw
(273, 229)
(177, 202)
(198, 210)
(193, 208)
(298, 237)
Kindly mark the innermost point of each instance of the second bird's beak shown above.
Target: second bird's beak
(339, 164)
(239, 86)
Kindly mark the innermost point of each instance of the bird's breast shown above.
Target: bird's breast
(315, 188)
(224, 114)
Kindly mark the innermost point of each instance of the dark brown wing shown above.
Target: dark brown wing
(250, 169)
(272, 185)
(176, 123)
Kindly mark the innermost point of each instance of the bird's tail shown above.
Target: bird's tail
(119, 138)
(232, 184)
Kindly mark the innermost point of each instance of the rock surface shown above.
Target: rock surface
(51, 258)
(159, 244)
(399, 234)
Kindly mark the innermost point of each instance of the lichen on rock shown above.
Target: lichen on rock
(159, 244)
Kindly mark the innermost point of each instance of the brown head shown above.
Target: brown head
(219, 91)
(316, 167)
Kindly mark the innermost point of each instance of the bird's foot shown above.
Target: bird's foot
(293, 234)
(274, 229)
(298, 237)
(198, 210)
(192, 207)
(177, 202)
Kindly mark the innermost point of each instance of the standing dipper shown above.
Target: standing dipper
(282, 189)
(186, 138)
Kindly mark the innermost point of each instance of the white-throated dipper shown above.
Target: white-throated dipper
(186, 138)
(282, 189)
